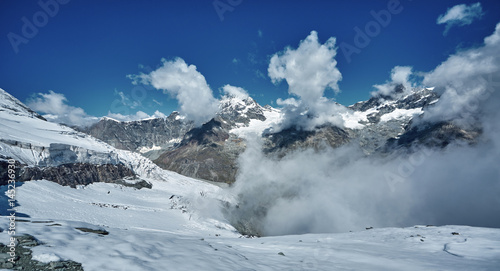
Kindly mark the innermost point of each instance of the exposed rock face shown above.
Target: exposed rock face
(77, 174)
(379, 129)
(208, 152)
(4, 170)
(435, 135)
(292, 139)
(72, 174)
(149, 137)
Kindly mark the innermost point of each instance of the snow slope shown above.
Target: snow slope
(148, 230)
(179, 223)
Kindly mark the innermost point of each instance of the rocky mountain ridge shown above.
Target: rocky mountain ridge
(210, 152)
(145, 136)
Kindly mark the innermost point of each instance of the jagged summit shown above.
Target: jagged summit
(418, 97)
(238, 110)
(383, 108)
(148, 136)
(211, 151)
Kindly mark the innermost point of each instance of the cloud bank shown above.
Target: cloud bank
(338, 190)
(308, 70)
(54, 108)
(460, 15)
(466, 80)
(185, 84)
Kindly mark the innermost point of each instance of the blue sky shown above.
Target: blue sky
(87, 49)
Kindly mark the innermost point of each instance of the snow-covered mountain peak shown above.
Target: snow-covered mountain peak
(234, 110)
(417, 97)
(382, 108)
(234, 103)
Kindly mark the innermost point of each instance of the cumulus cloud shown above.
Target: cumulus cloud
(400, 76)
(342, 189)
(235, 92)
(460, 15)
(139, 115)
(466, 81)
(308, 70)
(54, 108)
(187, 85)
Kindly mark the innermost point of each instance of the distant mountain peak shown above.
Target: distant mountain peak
(234, 109)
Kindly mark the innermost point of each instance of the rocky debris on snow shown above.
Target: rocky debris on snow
(23, 259)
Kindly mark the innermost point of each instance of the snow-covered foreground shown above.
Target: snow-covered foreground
(179, 225)
(163, 229)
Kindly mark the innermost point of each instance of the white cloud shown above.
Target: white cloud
(338, 190)
(460, 15)
(187, 85)
(158, 114)
(464, 80)
(235, 92)
(308, 70)
(287, 102)
(55, 109)
(400, 75)
(259, 33)
(139, 115)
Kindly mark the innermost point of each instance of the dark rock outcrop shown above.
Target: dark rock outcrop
(24, 257)
(208, 152)
(439, 134)
(291, 139)
(77, 174)
(4, 170)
